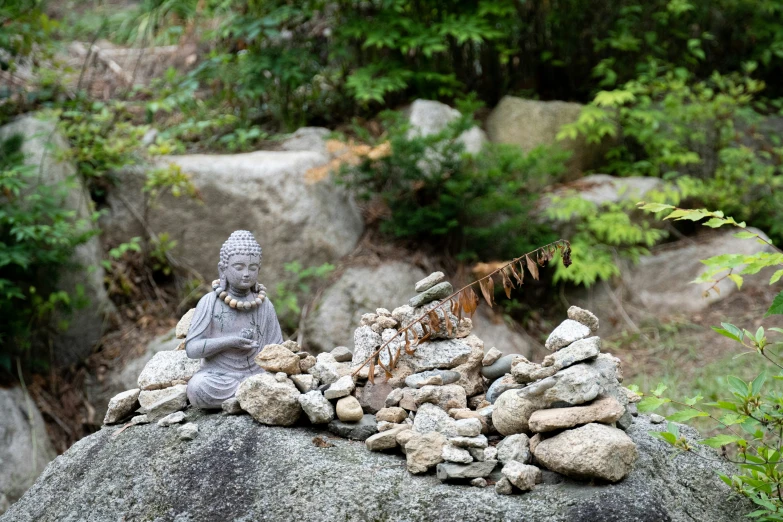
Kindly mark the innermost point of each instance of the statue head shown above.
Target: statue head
(240, 259)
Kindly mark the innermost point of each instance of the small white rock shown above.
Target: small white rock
(340, 388)
(172, 418)
(469, 427)
(492, 355)
(188, 431)
(452, 453)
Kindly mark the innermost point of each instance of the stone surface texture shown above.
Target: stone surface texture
(25, 449)
(593, 450)
(423, 451)
(276, 358)
(566, 333)
(161, 478)
(316, 407)
(122, 405)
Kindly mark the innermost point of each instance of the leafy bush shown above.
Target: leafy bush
(312, 61)
(37, 240)
(474, 206)
(289, 293)
(748, 417)
(702, 135)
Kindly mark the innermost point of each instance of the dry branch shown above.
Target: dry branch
(466, 301)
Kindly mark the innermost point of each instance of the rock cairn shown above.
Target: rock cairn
(469, 415)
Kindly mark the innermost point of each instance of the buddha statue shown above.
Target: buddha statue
(231, 325)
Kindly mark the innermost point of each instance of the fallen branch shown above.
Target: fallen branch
(468, 302)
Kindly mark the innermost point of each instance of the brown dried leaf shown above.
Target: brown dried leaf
(448, 323)
(507, 284)
(532, 267)
(487, 289)
(471, 301)
(371, 376)
(434, 320)
(520, 278)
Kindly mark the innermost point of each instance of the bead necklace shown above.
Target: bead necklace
(235, 303)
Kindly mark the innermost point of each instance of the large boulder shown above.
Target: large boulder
(42, 147)
(238, 469)
(25, 449)
(428, 117)
(530, 123)
(358, 290)
(269, 193)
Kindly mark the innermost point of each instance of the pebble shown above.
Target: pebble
(188, 431)
(432, 377)
(469, 427)
(585, 317)
(340, 388)
(349, 409)
(492, 355)
(523, 476)
(173, 418)
(361, 430)
(500, 367)
(384, 440)
(342, 354)
(479, 482)
(470, 442)
(231, 406)
(497, 388)
(304, 382)
(566, 333)
(423, 451)
(657, 419)
(316, 407)
(514, 448)
(452, 471)
(439, 291)
(122, 405)
(503, 487)
(430, 281)
(393, 414)
(452, 453)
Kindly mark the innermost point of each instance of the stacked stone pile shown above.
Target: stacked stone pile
(448, 406)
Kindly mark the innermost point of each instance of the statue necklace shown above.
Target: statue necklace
(236, 303)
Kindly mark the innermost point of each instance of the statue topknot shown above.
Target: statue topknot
(239, 242)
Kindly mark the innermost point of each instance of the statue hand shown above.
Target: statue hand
(240, 343)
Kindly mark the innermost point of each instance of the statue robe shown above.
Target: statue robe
(220, 375)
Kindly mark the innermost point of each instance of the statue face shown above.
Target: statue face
(242, 271)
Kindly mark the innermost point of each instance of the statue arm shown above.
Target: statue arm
(198, 345)
(272, 328)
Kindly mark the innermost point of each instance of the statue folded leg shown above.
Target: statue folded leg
(208, 389)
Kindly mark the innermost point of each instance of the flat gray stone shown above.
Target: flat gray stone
(342, 354)
(343, 387)
(188, 431)
(451, 471)
(361, 430)
(501, 385)
(500, 367)
(586, 317)
(430, 281)
(439, 291)
(566, 333)
(432, 377)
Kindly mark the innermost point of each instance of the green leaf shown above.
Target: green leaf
(651, 403)
(653, 207)
(721, 440)
(744, 235)
(777, 306)
(737, 280)
(758, 382)
(715, 223)
(658, 391)
(684, 415)
(737, 385)
(776, 277)
(671, 438)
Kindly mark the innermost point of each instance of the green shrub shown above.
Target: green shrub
(748, 415)
(473, 206)
(700, 134)
(37, 240)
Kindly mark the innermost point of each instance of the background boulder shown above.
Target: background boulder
(25, 449)
(266, 192)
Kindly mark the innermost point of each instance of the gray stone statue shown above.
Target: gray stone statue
(231, 325)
